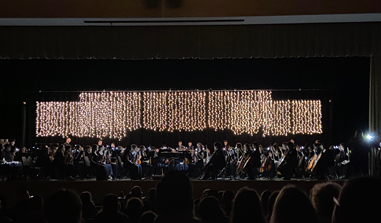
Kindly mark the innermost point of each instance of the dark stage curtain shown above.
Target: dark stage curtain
(251, 41)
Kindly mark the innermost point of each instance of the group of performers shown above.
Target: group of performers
(243, 161)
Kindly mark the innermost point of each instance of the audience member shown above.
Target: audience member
(136, 191)
(292, 205)
(63, 207)
(209, 211)
(88, 207)
(247, 207)
(147, 217)
(271, 203)
(227, 201)
(134, 209)
(359, 201)
(264, 201)
(322, 196)
(111, 211)
(174, 199)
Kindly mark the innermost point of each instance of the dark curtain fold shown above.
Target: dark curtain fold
(254, 41)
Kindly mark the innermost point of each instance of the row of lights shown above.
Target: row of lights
(112, 114)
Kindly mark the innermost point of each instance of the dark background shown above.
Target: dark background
(341, 83)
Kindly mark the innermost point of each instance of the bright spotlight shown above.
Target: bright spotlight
(369, 137)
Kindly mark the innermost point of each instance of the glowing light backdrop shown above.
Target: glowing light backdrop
(113, 114)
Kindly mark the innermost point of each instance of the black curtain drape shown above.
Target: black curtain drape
(246, 41)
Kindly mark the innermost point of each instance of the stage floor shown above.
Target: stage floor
(44, 188)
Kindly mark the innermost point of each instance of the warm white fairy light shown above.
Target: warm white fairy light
(155, 110)
(306, 117)
(240, 111)
(112, 114)
(281, 124)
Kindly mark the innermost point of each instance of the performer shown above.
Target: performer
(145, 162)
(359, 154)
(135, 159)
(190, 146)
(181, 164)
(180, 146)
(226, 146)
(253, 162)
(103, 159)
(232, 163)
(289, 160)
(67, 143)
(238, 149)
(7, 160)
(112, 159)
(216, 163)
(341, 162)
(200, 154)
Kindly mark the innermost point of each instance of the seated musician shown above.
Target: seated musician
(200, 155)
(100, 156)
(7, 160)
(216, 163)
(253, 163)
(193, 171)
(154, 154)
(180, 164)
(135, 159)
(114, 152)
(269, 166)
(69, 163)
(162, 162)
(146, 162)
(232, 163)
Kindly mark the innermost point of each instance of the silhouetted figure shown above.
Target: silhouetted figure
(111, 211)
(322, 200)
(216, 163)
(359, 201)
(292, 205)
(147, 217)
(29, 211)
(174, 199)
(136, 191)
(209, 211)
(270, 206)
(247, 207)
(359, 154)
(88, 207)
(134, 209)
(227, 201)
(264, 201)
(151, 198)
(63, 207)
(3, 218)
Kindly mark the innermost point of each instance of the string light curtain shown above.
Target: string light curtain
(113, 114)
(240, 111)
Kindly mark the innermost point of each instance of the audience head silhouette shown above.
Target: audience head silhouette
(174, 196)
(292, 205)
(247, 207)
(322, 196)
(359, 201)
(111, 203)
(227, 201)
(147, 217)
(134, 208)
(271, 203)
(209, 211)
(264, 201)
(63, 207)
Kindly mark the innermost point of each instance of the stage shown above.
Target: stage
(99, 189)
